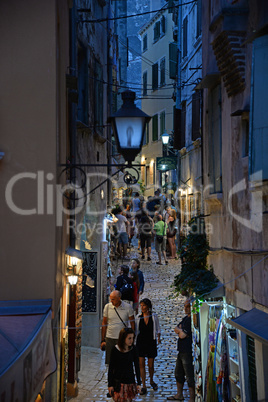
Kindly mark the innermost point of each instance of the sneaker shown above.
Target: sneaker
(143, 257)
(149, 259)
(159, 263)
(166, 262)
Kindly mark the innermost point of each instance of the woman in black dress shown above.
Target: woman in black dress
(121, 378)
(148, 333)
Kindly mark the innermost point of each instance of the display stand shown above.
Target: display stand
(233, 357)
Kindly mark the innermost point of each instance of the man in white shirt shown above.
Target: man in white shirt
(121, 225)
(116, 315)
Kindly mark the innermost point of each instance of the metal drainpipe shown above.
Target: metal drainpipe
(73, 111)
(109, 102)
(178, 94)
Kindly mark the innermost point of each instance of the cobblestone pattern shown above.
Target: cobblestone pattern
(93, 374)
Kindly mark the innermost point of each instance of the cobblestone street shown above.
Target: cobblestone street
(93, 374)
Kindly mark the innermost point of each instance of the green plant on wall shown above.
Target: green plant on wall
(195, 278)
(142, 187)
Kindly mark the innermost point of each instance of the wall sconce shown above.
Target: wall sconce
(102, 194)
(72, 279)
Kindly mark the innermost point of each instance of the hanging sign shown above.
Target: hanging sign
(166, 163)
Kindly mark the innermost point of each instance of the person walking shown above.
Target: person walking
(148, 334)
(116, 315)
(121, 378)
(160, 230)
(184, 364)
(136, 285)
(145, 230)
(135, 266)
(171, 233)
(125, 285)
(122, 224)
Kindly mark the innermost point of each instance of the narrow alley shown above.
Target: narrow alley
(93, 374)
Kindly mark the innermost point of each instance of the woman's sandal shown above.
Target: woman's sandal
(143, 391)
(154, 386)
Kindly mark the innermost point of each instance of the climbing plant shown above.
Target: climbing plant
(195, 278)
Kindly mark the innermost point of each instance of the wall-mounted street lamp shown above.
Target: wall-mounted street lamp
(129, 124)
(165, 138)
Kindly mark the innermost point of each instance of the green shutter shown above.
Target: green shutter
(173, 60)
(162, 122)
(155, 127)
(155, 76)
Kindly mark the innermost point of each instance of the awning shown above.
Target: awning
(27, 353)
(254, 323)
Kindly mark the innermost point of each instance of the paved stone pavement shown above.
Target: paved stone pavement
(93, 374)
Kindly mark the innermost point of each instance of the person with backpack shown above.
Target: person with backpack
(125, 285)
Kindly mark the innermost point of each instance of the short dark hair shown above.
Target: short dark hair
(125, 269)
(122, 337)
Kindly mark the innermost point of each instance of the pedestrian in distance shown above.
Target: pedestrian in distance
(145, 230)
(125, 285)
(116, 315)
(148, 335)
(160, 230)
(135, 266)
(121, 378)
(122, 224)
(136, 285)
(184, 364)
(171, 233)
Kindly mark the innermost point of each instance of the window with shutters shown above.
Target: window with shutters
(162, 71)
(144, 81)
(82, 107)
(259, 117)
(162, 122)
(214, 140)
(185, 38)
(155, 127)
(156, 31)
(173, 60)
(144, 43)
(154, 76)
(179, 127)
(196, 116)
(163, 25)
(98, 92)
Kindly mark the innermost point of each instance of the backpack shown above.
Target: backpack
(126, 290)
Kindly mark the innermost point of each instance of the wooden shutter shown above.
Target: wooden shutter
(179, 127)
(163, 24)
(162, 71)
(173, 60)
(155, 127)
(144, 83)
(155, 76)
(196, 126)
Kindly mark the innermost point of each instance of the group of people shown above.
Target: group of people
(151, 221)
(129, 341)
